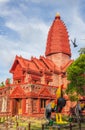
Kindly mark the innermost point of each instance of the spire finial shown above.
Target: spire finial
(57, 15)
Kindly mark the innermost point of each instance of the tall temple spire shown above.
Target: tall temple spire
(58, 39)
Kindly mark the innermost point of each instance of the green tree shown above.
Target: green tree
(82, 51)
(2, 84)
(76, 77)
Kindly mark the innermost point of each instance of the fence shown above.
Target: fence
(28, 126)
(70, 126)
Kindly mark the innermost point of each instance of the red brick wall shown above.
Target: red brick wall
(59, 59)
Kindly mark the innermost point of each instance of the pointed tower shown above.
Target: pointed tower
(57, 46)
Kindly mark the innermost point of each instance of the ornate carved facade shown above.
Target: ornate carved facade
(36, 80)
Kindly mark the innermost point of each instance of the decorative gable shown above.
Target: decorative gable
(18, 92)
(44, 92)
(23, 63)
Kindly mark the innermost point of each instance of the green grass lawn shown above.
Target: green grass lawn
(36, 124)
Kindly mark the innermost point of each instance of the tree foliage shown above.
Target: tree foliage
(82, 51)
(76, 76)
(2, 84)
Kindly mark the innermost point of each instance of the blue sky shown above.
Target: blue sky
(24, 25)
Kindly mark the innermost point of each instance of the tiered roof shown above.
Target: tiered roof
(35, 65)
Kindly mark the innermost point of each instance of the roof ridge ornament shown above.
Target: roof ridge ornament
(57, 16)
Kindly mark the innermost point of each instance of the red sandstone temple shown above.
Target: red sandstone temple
(36, 80)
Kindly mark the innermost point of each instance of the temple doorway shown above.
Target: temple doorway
(17, 106)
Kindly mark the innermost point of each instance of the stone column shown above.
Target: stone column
(30, 104)
(23, 106)
(60, 80)
(11, 105)
(48, 101)
(39, 105)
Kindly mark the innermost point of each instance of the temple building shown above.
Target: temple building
(35, 80)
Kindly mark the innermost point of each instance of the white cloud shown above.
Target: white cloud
(33, 30)
(32, 41)
(77, 30)
(3, 1)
